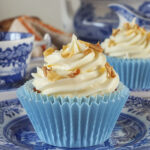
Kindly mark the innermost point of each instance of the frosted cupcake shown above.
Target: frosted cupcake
(128, 51)
(76, 98)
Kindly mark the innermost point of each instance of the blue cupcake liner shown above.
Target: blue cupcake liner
(134, 73)
(72, 122)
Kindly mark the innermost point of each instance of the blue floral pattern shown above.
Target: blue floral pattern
(145, 9)
(9, 109)
(16, 56)
(128, 13)
(30, 69)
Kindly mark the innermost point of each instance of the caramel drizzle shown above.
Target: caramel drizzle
(50, 74)
(47, 52)
(46, 70)
(83, 42)
(143, 31)
(112, 43)
(75, 73)
(91, 47)
(96, 47)
(86, 52)
(127, 26)
(129, 32)
(115, 32)
(148, 36)
(53, 75)
(67, 55)
(111, 72)
(133, 29)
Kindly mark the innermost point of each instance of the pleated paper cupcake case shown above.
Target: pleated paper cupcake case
(72, 122)
(134, 73)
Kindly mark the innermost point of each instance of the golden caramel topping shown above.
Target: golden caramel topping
(53, 76)
(83, 42)
(115, 32)
(102, 70)
(75, 73)
(49, 51)
(44, 71)
(86, 52)
(96, 47)
(67, 54)
(148, 37)
(147, 42)
(129, 32)
(50, 74)
(49, 66)
(112, 43)
(143, 31)
(127, 26)
(110, 70)
(65, 47)
(134, 29)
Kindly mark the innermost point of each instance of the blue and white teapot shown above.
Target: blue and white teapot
(127, 13)
(95, 19)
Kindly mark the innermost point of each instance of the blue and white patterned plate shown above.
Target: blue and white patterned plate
(132, 130)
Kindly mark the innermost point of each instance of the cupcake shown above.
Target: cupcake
(75, 99)
(128, 51)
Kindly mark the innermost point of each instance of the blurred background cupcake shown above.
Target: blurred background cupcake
(128, 51)
(76, 98)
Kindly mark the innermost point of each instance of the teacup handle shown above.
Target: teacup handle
(46, 41)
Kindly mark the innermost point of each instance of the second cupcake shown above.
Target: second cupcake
(128, 51)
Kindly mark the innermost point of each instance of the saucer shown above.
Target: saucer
(132, 130)
(11, 92)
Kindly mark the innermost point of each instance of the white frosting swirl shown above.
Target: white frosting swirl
(75, 71)
(129, 41)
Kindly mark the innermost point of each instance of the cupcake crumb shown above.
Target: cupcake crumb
(35, 90)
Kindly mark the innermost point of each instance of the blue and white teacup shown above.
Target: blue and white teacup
(15, 54)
